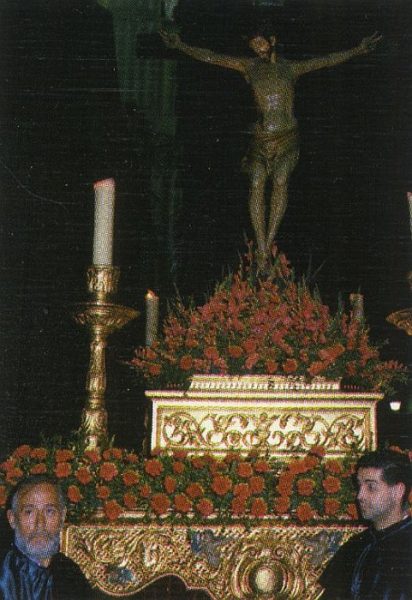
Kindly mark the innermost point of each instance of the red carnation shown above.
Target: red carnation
(250, 345)
(62, 469)
(352, 511)
(39, 453)
(22, 451)
(186, 362)
(38, 469)
(271, 366)
(310, 461)
(130, 478)
(282, 505)
(3, 495)
(170, 484)
(74, 494)
(305, 512)
(205, 507)
(257, 484)
(194, 490)
(333, 466)
(242, 490)
(63, 455)
(160, 503)
(331, 506)
(83, 475)
(305, 487)
(145, 491)
(182, 503)
(318, 451)
(153, 467)
(92, 455)
(285, 483)
(14, 474)
(235, 351)
(238, 505)
(290, 365)
(154, 369)
(112, 510)
(297, 466)
(198, 462)
(262, 466)
(331, 484)
(316, 367)
(211, 353)
(131, 457)
(129, 500)
(178, 467)
(259, 507)
(179, 454)
(221, 485)
(244, 470)
(102, 492)
(108, 471)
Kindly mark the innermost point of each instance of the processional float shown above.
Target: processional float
(269, 415)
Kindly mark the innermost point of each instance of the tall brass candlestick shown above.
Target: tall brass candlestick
(102, 318)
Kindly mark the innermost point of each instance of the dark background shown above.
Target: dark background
(64, 125)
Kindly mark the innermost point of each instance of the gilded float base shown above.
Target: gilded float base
(272, 561)
(276, 416)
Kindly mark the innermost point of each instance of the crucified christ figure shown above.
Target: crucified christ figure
(274, 151)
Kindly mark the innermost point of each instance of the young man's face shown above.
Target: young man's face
(37, 522)
(378, 501)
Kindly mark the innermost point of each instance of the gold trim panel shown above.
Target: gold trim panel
(278, 423)
(230, 563)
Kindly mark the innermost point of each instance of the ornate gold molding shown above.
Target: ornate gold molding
(231, 562)
(402, 319)
(248, 414)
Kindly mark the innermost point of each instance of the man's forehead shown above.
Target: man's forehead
(257, 38)
(369, 474)
(46, 493)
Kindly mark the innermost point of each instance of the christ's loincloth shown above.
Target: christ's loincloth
(268, 148)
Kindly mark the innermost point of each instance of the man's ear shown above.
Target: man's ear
(399, 491)
(11, 519)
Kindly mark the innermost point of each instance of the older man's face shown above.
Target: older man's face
(37, 522)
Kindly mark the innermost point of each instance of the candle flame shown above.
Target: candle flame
(150, 294)
(104, 183)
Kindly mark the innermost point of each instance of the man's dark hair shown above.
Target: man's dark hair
(395, 466)
(29, 482)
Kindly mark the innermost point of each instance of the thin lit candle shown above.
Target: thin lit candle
(152, 317)
(104, 195)
(356, 301)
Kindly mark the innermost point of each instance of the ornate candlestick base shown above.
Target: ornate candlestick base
(402, 319)
(102, 318)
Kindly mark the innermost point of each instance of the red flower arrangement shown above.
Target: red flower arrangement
(270, 326)
(115, 481)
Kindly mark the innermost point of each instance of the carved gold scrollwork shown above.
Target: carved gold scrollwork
(291, 431)
(269, 568)
(271, 562)
(102, 281)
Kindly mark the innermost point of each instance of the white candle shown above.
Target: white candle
(104, 193)
(356, 301)
(152, 317)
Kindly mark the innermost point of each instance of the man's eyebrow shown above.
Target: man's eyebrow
(369, 480)
(32, 505)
